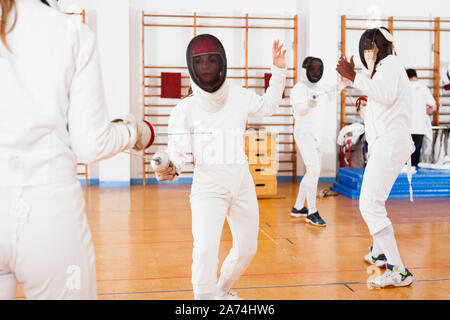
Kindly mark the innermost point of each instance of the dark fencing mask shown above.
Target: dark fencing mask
(372, 45)
(207, 62)
(51, 3)
(314, 68)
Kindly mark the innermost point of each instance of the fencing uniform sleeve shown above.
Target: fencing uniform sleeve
(430, 98)
(93, 136)
(382, 88)
(299, 100)
(179, 145)
(269, 102)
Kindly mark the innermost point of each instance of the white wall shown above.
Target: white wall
(113, 24)
(319, 35)
(398, 8)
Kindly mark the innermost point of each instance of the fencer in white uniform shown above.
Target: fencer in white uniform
(387, 126)
(53, 116)
(311, 100)
(214, 118)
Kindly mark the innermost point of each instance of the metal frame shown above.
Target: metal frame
(245, 69)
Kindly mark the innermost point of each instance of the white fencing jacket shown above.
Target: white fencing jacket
(420, 120)
(211, 126)
(309, 115)
(444, 73)
(389, 103)
(52, 103)
(389, 107)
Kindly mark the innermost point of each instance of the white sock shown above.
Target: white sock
(205, 296)
(386, 239)
(300, 203)
(376, 248)
(8, 286)
(311, 193)
(224, 286)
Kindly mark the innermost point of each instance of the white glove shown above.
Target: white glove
(164, 168)
(141, 132)
(169, 174)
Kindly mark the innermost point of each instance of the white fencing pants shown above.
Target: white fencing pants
(45, 243)
(387, 156)
(312, 158)
(209, 211)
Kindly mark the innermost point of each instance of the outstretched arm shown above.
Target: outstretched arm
(93, 136)
(382, 89)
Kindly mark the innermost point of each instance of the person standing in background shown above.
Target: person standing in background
(423, 106)
(310, 101)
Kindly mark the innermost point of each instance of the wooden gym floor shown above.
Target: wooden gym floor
(143, 246)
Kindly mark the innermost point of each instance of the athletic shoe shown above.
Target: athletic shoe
(379, 261)
(392, 277)
(231, 295)
(303, 212)
(315, 219)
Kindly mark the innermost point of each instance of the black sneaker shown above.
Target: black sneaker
(303, 212)
(315, 219)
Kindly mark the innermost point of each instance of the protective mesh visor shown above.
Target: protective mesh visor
(206, 61)
(367, 42)
(314, 69)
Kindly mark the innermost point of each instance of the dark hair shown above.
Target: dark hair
(411, 73)
(379, 39)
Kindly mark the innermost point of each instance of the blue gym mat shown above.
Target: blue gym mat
(426, 183)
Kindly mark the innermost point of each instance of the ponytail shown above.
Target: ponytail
(7, 6)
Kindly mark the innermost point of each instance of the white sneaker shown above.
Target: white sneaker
(231, 295)
(392, 277)
(379, 261)
(405, 169)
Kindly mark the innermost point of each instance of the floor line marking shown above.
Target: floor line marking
(267, 274)
(272, 226)
(348, 287)
(265, 287)
(279, 246)
(400, 235)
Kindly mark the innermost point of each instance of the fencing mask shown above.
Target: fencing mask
(374, 45)
(314, 68)
(51, 3)
(207, 62)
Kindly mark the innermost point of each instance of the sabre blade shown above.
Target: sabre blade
(182, 133)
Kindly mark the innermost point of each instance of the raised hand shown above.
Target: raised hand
(278, 55)
(346, 69)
